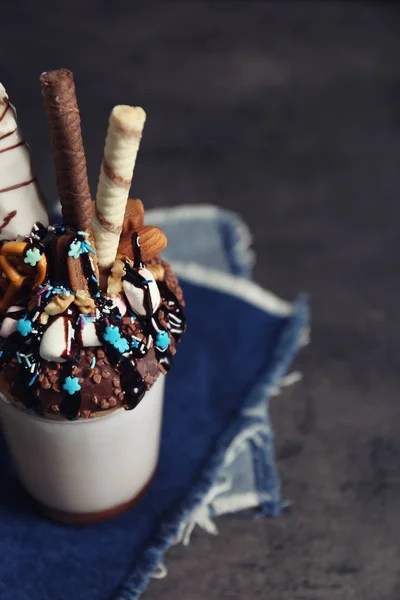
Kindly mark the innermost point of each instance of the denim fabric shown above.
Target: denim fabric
(216, 443)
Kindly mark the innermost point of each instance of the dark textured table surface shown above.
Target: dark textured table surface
(288, 113)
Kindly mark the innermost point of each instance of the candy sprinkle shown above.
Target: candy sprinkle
(42, 290)
(32, 381)
(90, 248)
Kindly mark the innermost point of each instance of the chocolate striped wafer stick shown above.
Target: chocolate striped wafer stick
(122, 144)
(62, 113)
(21, 203)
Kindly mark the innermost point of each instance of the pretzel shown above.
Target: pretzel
(16, 279)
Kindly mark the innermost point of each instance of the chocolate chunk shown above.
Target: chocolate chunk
(162, 369)
(45, 383)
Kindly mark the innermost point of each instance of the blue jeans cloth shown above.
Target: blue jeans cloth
(216, 450)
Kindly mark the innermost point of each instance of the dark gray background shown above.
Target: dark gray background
(288, 113)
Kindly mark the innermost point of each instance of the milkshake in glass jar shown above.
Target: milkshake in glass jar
(90, 317)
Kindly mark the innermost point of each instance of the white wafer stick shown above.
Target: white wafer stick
(120, 151)
(21, 203)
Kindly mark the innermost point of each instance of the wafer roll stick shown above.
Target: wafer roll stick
(21, 203)
(66, 139)
(122, 144)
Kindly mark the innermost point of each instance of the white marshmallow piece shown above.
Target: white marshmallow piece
(88, 336)
(56, 344)
(9, 325)
(136, 295)
(120, 304)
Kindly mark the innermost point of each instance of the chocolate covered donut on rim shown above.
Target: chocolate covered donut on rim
(90, 319)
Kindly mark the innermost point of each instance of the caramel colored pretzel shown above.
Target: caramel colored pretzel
(16, 279)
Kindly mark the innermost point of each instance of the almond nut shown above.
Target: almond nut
(152, 241)
(134, 215)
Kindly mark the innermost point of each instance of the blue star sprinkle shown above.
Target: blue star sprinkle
(162, 340)
(122, 345)
(134, 343)
(112, 335)
(71, 385)
(75, 249)
(32, 257)
(24, 327)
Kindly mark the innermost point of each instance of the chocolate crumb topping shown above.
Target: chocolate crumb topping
(100, 352)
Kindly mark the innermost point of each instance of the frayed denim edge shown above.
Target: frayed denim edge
(289, 343)
(237, 241)
(235, 233)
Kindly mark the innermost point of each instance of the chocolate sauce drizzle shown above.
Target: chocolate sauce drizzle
(5, 135)
(17, 186)
(7, 219)
(3, 114)
(21, 143)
